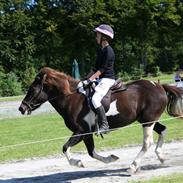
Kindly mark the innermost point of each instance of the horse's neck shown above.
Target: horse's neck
(73, 84)
(62, 102)
(68, 107)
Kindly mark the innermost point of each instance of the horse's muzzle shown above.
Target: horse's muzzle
(23, 108)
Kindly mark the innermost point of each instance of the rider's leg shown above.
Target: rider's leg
(100, 91)
(103, 123)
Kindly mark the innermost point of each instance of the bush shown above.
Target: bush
(124, 76)
(9, 85)
(156, 71)
(2, 76)
(137, 73)
(28, 77)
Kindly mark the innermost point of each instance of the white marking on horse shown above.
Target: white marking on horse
(152, 82)
(112, 109)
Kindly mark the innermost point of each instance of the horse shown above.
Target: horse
(143, 101)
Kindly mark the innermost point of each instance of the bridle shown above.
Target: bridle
(32, 106)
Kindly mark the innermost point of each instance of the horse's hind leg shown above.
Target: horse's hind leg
(161, 130)
(66, 150)
(147, 142)
(89, 142)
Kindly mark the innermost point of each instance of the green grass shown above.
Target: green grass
(164, 78)
(50, 126)
(173, 178)
(13, 98)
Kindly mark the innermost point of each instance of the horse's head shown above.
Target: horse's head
(47, 85)
(37, 94)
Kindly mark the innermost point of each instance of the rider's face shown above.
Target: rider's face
(98, 37)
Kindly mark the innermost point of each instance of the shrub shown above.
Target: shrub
(137, 73)
(156, 71)
(9, 85)
(28, 77)
(2, 76)
(124, 76)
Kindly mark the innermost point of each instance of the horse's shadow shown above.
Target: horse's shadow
(68, 177)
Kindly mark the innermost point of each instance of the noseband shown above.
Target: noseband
(30, 104)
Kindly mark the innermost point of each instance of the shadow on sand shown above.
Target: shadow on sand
(68, 177)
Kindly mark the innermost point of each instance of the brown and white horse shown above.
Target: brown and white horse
(143, 101)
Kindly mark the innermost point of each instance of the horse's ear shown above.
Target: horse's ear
(44, 78)
(47, 79)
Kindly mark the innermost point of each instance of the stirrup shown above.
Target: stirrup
(102, 131)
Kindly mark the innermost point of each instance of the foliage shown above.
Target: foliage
(9, 85)
(54, 33)
(28, 77)
(156, 71)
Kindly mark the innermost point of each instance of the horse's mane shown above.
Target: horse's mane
(54, 73)
(59, 79)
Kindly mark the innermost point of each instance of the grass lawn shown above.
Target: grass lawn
(30, 129)
(164, 78)
(14, 98)
(173, 178)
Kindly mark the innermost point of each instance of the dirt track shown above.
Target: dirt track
(57, 170)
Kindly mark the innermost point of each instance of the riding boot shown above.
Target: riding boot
(102, 120)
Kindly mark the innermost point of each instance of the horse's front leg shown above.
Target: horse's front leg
(75, 139)
(89, 142)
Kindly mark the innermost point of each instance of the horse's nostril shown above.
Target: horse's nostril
(22, 109)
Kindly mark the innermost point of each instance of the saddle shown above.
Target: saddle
(107, 99)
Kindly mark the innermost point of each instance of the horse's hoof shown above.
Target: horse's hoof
(162, 160)
(80, 164)
(132, 170)
(114, 158)
(110, 158)
(75, 162)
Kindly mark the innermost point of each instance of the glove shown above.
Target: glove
(86, 82)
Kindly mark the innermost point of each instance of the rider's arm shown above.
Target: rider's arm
(95, 75)
(90, 74)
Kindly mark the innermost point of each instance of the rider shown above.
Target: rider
(104, 71)
(178, 78)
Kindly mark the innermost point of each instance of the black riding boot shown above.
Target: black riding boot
(102, 120)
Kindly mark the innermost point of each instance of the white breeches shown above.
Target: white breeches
(179, 84)
(101, 90)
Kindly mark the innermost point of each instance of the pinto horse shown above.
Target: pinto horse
(143, 101)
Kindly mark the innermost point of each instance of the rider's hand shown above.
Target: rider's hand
(86, 82)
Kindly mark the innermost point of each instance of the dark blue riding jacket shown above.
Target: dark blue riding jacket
(105, 62)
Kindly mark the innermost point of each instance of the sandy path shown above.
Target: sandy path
(57, 170)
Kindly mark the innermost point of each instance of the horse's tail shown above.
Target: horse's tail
(175, 100)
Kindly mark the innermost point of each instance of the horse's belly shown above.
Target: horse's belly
(112, 109)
